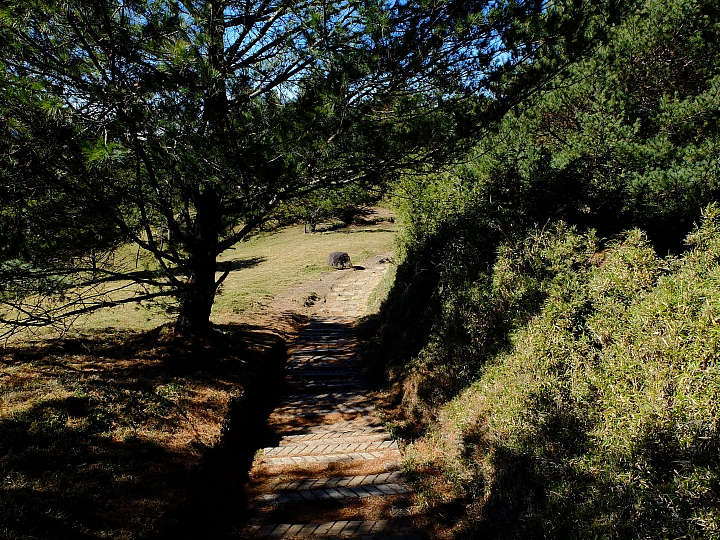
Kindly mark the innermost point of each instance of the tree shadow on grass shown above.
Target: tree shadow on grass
(140, 436)
(242, 264)
(358, 231)
(150, 275)
(76, 483)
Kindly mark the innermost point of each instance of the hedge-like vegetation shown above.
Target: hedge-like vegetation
(600, 418)
(553, 329)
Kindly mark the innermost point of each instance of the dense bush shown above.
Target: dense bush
(551, 335)
(601, 417)
(627, 138)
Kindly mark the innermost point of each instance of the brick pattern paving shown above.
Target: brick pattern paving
(296, 412)
(374, 433)
(376, 529)
(337, 481)
(332, 446)
(337, 384)
(324, 427)
(356, 425)
(357, 492)
(335, 397)
(324, 458)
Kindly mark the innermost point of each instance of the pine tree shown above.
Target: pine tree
(181, 126)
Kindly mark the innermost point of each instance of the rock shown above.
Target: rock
(339, 260)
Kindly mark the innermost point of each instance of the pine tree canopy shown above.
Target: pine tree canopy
(181, 126)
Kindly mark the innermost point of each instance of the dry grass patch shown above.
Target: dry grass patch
(263, 266)
(105, 436)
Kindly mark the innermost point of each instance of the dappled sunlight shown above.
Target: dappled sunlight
(103, 434)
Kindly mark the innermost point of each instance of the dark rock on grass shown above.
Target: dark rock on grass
(339, 260)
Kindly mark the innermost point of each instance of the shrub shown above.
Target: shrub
(599, 420)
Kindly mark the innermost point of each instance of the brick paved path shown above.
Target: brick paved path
(332, 471)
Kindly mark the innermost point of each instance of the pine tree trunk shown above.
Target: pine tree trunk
(197, 298)
(196, 301)
(198, 294)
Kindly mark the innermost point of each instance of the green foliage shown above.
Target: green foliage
(342, 203)
(628, 136)
(600, 418)
(557, 371)
(40, 223)
(184, 126)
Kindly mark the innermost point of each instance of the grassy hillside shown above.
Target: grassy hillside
(598, 415)
(263, 266)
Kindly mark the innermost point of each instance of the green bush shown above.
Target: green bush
(600, 418)
(625, 138)
(558, 372)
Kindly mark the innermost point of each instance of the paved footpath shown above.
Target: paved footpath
(331, 470)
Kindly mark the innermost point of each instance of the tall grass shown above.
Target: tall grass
(598, 418)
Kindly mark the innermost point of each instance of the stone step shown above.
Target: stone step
(336, 359)
(328, 354)
(337, 438)
(320, 347)
(331, 322)
(329, 348)
(334, 326)
(337, 324)
(329, 494)
(325, 340)
(324, 382)
(297, 384)
(311, 412)
(323, 330)
(325, 459)
(393, 477)
(321, 362)
(338, 529)
(320, 397)
(321, 371)
(355, 423)
(342, 434)
(325, 371)
(329, 447)
(321, 339)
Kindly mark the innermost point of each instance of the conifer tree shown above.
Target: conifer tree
(180, 126)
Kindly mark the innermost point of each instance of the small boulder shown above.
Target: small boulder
(339, 260)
